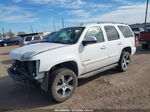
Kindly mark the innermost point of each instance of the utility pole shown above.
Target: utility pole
(32, 29)
(54, 25)
(36, 30)
(146, 13)
(3, 31)
(63, 22)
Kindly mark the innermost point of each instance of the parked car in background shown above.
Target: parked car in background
(144, 38)
(10, 41)
(45, 38)
(1, 39)
(26, 38)
(137, 31)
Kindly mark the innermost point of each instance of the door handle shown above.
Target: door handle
(103, 47)
(120, 43)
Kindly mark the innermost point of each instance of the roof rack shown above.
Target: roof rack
(101, 22)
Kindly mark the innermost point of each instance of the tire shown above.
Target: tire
(5, 44)
(62, 84)
(144, 46)
(124, 61)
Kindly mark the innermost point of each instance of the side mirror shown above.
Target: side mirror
(89, 40)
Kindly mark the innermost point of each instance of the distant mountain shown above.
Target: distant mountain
(139, 25)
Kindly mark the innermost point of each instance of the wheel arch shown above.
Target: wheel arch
(68, 64)
(128, 49)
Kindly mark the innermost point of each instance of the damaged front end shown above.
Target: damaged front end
(24, 71)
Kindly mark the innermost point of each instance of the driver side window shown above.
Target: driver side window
(95, 32)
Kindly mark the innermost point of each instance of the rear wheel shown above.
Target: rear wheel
(145, 46)
(124, 61)
(62, 84)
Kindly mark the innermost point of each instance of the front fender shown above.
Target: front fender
(51, 58)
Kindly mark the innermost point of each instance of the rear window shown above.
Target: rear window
(125, 31)
(135, 29)
(111, 33)
(28, 39)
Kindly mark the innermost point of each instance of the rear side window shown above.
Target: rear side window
(111, 33)
(28, 39)
(125, 31)
(37, 38)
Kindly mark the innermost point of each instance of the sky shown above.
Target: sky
(46, 15)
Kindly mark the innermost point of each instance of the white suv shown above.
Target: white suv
(73, 53)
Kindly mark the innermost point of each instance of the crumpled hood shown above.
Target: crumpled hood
(26, 52)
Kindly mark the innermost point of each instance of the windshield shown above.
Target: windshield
(67, 35)
(49, 35)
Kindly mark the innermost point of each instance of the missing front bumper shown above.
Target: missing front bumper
(19, 76)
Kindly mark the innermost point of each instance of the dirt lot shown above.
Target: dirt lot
(108, 90)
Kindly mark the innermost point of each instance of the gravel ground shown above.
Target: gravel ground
(107, 90)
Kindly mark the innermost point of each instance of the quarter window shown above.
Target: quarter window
(95, 32)
(111, 33)
(125, 31)
(37, 38)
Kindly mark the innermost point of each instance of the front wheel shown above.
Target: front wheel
(62, 84)
(124, 61)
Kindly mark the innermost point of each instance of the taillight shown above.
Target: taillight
(23, 44)
(134, 41)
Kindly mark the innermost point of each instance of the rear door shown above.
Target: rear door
(114, 43)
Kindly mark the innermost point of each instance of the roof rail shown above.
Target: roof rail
(101, 22)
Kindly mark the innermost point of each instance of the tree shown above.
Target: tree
(21, 33)
(10, 33)
(1, 35)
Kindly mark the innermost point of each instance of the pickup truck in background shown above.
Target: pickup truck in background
(137, 31)
(144, 38)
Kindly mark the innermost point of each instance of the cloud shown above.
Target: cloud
(16, 14)
(125, 14)
(79, 13)
(73, 4)
(16, 1)
(60, 3)
(123, 1)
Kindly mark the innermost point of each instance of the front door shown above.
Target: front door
(93, 56)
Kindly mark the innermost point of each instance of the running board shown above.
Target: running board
(95, 72)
